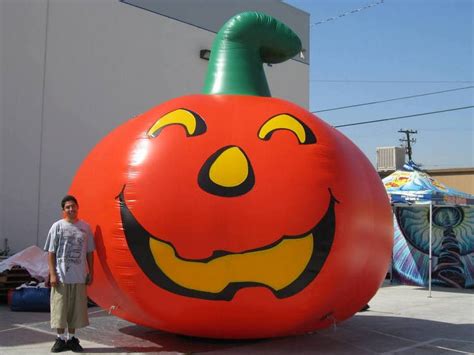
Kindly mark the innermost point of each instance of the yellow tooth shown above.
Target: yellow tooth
(276, 267)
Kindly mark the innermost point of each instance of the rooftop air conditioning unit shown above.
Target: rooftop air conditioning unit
(390, 158)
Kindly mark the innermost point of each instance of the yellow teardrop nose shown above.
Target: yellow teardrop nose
(227, 173)
(230, 169)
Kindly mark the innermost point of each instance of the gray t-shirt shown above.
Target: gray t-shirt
(70, 242)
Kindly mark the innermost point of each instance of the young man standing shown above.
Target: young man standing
(70, 247)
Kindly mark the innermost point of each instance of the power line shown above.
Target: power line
(400, 117)
(395, 99)
(347, 13)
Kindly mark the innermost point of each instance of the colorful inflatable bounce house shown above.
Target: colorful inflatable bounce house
(233, 214)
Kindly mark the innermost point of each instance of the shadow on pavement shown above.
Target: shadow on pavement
(373, 333)
(365, 332)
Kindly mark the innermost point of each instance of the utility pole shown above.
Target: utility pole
(408, 140)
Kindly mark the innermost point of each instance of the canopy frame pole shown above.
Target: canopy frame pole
(430, 264)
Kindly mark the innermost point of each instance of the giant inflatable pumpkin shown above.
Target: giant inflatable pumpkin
(232, 214)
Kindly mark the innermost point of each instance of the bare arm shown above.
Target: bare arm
(53, 277)
(90, 263)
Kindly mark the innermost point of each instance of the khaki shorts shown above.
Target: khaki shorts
(69, 306)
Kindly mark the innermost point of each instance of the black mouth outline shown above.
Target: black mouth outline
(138, 243)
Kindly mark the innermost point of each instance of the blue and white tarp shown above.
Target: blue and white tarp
(413, 185)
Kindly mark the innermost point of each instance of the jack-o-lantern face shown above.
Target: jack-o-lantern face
(227, 173)
(233, 215)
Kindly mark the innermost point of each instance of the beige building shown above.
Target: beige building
(461, 179)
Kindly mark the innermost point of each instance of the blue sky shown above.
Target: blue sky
(396, 49)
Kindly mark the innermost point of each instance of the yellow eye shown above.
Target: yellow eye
(290, 123)
(191, 121)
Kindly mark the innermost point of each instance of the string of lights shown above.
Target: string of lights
(347, 13)
(394, 99)
(400, 117)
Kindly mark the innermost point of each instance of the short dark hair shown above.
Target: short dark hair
(68, 198)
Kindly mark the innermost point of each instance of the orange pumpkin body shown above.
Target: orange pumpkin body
(208, 242)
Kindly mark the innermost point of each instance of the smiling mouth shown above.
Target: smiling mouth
(285, 267)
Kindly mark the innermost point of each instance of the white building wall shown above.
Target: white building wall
(71, 71)
(22, 63)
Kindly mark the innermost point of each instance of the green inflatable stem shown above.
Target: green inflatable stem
(239, 50)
